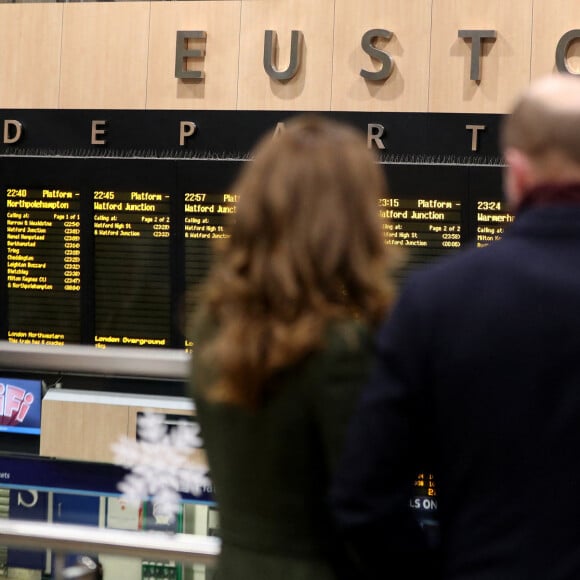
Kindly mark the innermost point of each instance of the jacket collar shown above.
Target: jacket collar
(551, 194)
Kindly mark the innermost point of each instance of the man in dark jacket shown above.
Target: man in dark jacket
(478, 376)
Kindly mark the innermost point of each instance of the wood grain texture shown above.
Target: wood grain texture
(121, 55)
(30, 55)
(505, 63)
(552, 19)
(82, 431)
(407, 88)
(311, 87)
(86, 430)
(104, 55)
(218, 90)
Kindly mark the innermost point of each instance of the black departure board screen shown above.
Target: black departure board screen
(424, 213)
(489, 213)
(43, 270)
(109, 251)
(207, 205)
(206, 218)
(132, 231)
(492, 218)
(430, 226)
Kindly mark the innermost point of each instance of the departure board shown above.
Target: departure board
(43, 269)
(491, 219)
(132, 234)
(425, 212)
(106, 251)
(206, 215)
(430, 227)
(489, 213)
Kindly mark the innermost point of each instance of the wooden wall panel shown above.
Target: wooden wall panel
(82, 431)
(30, 55)
(407, 88)
(310, 88)
(104, 55)
(505, 63)
(221, 21)
(84, 424)
(121, 55)
(552, 19)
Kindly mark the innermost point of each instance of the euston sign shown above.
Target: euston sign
(368, 41)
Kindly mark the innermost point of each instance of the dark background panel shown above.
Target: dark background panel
(486, 183)
(434, 137)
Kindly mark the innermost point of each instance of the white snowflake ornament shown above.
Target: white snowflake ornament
(160, 464)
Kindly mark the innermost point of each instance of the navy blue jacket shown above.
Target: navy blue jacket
(478, 378)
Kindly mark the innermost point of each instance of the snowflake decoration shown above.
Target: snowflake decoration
(160, 464)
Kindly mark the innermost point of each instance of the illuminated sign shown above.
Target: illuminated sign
(492, 218)
(20, 403)
(110, 252)
(43, 233)
(132, 232)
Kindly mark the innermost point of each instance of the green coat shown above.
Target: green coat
(271, 468)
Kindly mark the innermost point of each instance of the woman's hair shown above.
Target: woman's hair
(305, 248)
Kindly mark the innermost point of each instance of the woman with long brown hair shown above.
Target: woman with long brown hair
(282, 344)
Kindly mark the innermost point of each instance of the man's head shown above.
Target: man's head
(541, 138)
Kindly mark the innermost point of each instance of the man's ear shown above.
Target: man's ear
(518, 176)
